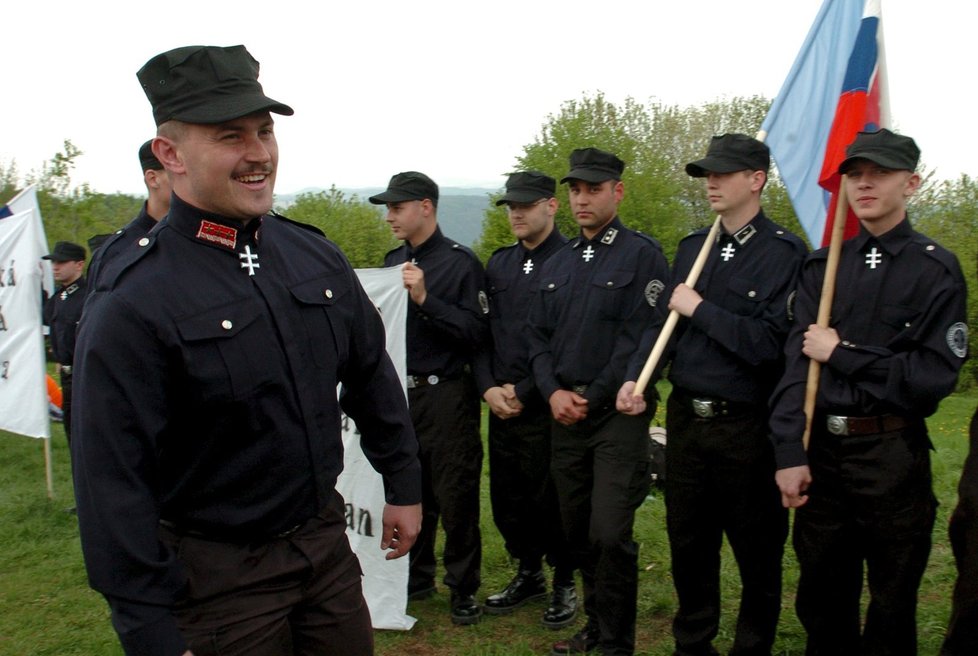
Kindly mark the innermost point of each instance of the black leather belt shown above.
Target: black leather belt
(706, 407)
(840, 425)
(220, 537)
(414, 382)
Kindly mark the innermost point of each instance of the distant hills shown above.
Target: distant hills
(460, 209)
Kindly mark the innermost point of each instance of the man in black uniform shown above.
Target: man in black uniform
(446, 326)
(62, 312)
(208, 436)
(524, 502)
(896, 342)
(726, 356)
(155, 208)
(594, 298)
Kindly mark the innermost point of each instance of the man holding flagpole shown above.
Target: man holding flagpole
(896, 341)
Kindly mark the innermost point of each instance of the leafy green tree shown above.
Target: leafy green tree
(355, 225)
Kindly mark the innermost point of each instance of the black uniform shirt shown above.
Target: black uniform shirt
(206, 382)
(511, 276)
(594, 299)
(61, 314)
(123, 238)
(444, 335)
(899, 308)
(732, 346)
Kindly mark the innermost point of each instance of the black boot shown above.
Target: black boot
(563, 607)
(526, 586)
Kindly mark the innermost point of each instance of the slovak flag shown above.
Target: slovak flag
(835, 89)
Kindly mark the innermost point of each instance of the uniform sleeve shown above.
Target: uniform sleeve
(758, 338)
(464, 322)
(119, 413)
(374, 398)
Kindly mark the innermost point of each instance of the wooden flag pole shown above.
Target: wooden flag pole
(825, 303)
(673, 319)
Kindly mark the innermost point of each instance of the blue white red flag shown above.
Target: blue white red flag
(836, 88)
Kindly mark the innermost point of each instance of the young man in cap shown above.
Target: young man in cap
(524, 502)
(446, 326)
(61, 314)
(208, 427)
(155, 208)
(594, 298)
(896, 342)
(726, 355)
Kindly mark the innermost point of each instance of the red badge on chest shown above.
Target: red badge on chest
(218, 234)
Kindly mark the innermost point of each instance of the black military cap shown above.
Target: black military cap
(205, 84)
(66, 251)
(889, 150)
(147, 160)
(527, 187)
(729, 153)
(408, 185)
(593, 165)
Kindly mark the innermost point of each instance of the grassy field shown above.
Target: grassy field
(46, 607)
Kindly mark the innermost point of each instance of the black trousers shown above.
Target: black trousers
(524, 500)
(294, 596)
(720, 480)
(870, 504)
(601, 471)
(962, 630)
(446, 420)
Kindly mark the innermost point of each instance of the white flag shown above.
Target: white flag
(23, 389)
(384, 581)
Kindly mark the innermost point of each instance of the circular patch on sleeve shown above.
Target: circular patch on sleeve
(484, 302)
(653, 290)
(957, 339)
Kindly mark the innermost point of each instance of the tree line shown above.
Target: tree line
(655, 140)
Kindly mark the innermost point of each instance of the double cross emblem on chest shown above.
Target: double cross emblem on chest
(588, 253)
(249, 260)
(727, 252)
(528, 266)
(874, 258)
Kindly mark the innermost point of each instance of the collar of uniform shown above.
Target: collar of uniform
(73, 286)
(143, 222)
(211, 229)
(427, 246)
(553, 240)
(747, 232)
(608, 235)
(892, 241)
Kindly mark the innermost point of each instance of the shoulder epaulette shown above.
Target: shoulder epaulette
(304, 226)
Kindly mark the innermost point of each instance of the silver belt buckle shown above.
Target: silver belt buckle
(411, 384)
(837, 425)
(432, 379)
(579, 389)
(65, 368)
(703, 408)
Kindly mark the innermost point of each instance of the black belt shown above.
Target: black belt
(706, 407)
(224, 537)
(414, 382)
(841, 425)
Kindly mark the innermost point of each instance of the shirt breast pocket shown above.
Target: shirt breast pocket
(230, 352)
(747, 297)
(611, 294)
(322, 306)
(899, 317)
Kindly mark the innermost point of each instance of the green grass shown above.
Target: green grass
(46, 607)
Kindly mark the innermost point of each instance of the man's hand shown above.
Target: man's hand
(568, 407)
(413, 277)
(503, 402)
(793, 482)
(401, 527)
(685, 300)
(627, 402)
(819, 343)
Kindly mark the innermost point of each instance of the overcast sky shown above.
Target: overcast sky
(454, 89)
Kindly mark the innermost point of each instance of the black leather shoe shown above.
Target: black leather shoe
(525, 586)
(562, 609)
(583, 642)
(465, 610)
